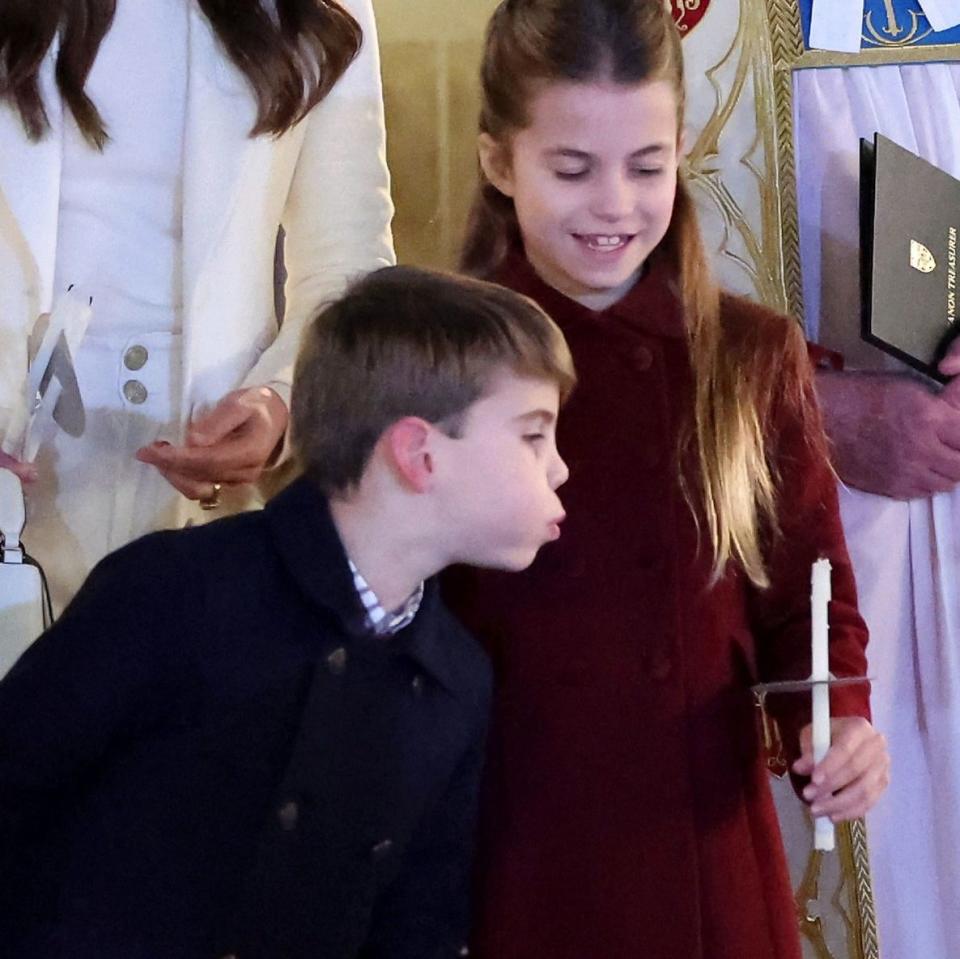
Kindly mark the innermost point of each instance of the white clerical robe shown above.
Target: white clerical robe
(905, 553)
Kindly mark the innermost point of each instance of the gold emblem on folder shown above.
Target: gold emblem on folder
(921, 258)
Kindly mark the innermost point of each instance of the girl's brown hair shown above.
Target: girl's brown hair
(292, 52)
(530, 42)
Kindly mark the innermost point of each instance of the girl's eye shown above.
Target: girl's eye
(647, 171)
(533, 438)
(570, 174)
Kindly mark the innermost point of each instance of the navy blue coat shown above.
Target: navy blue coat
(207, 755)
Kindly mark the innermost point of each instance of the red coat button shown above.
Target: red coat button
(642, 359)
(660, 668)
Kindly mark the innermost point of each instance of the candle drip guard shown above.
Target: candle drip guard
(772, 740)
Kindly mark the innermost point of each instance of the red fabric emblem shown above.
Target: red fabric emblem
(688, 13)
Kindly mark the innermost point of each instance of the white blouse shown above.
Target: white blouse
(121, 211)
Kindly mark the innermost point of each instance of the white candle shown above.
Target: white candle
(820, 655)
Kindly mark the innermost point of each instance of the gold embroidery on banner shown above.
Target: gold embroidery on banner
(807, 903)
(893, 29)
(876, 55)
(813, 903)
(760, 260)
(687, 13)
(680, 10)
(855, 860)
(816, 905)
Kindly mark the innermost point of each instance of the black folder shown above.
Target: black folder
(909, 223)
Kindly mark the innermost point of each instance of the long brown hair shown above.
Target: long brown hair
(635, 41)
(291, 57)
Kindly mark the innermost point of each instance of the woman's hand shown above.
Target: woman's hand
(230, 445)
(26, 471)
(850, 778)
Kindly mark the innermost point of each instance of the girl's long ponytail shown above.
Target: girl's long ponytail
(491, 228)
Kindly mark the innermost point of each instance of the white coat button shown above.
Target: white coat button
(337, 661)
(135, 357)
(135, 392)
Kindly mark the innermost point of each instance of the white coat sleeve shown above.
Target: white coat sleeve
(338, 212)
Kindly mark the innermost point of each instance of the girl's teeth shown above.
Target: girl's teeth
(605, 242)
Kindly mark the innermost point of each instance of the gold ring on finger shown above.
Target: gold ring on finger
(213, 500)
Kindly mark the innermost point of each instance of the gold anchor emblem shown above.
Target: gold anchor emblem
(921, 258)
(893, 28)
(895, 34)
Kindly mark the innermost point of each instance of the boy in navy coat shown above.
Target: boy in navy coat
(262, 738)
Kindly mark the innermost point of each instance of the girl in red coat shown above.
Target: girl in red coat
(627, 809)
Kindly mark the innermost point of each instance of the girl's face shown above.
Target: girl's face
(593, 179)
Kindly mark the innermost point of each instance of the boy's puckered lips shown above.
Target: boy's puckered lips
(554, 526)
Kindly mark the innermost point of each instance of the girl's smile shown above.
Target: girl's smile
(604, 243)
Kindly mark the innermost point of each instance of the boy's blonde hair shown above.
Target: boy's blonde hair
(409, 342)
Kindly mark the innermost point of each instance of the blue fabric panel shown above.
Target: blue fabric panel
(907, 27)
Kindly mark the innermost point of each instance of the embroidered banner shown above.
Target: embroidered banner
(833, 24)
(688, 13)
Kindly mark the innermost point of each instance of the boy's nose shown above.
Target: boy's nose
(559, 473)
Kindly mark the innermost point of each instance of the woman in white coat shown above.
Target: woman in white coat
(149, 152)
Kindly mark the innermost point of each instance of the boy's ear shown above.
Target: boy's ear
(495, 163)
(408, 449)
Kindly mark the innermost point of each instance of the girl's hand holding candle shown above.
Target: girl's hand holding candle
(852, 775)
(845, 757)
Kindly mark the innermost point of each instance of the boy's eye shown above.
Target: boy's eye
(647, 171)
(570, 174)
(534, 437)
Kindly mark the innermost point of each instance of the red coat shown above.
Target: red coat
(627, 808)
